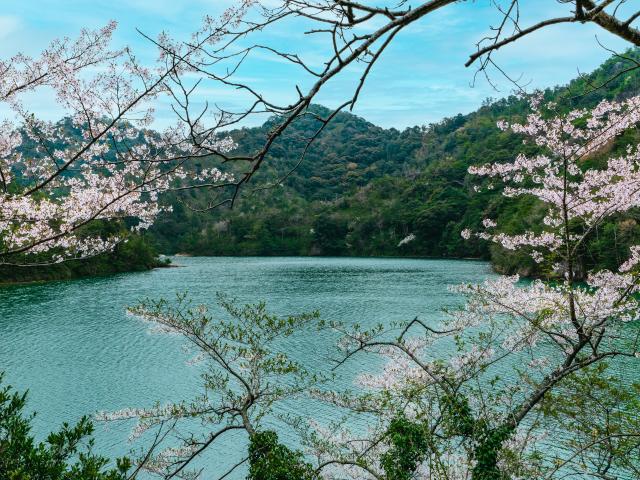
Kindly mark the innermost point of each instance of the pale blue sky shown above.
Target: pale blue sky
(421, 79)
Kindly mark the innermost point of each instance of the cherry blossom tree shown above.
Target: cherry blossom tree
(244, 375)
(504, 406)
(526, 380)
(103, 161)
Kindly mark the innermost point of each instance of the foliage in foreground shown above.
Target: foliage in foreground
(270, 460)
(64, 455)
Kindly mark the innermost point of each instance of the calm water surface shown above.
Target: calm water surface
(72, 345)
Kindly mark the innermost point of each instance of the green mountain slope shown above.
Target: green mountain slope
(362, 189)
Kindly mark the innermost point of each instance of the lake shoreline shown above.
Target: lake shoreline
(40, 281)
(162, 265)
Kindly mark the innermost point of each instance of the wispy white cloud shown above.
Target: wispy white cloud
(9, 25)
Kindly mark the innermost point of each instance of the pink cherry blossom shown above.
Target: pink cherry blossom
(102, 162)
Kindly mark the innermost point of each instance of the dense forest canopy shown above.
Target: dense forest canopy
(364, 190)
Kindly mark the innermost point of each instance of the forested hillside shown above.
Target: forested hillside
(365, 190)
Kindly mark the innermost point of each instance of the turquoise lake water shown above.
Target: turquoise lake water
(77, 351)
